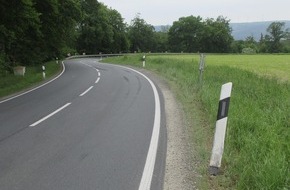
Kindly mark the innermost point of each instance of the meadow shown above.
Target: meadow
(257, 148)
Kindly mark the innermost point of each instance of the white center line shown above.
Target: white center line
(97, 80)
(86, 91)
(50, 115)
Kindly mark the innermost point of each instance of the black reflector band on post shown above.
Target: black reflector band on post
(223, 108)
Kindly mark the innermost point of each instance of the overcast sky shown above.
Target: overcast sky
(163, 12)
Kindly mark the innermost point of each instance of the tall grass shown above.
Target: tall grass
(257, 148)
(257, 144)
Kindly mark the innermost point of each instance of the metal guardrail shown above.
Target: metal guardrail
(95, 55)
(122, 54)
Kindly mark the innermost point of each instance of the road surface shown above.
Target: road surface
(91, 128)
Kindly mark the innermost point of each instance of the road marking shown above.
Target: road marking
(146, 179)
(99, 75)
(86, 64)
(148, 170)
(50, 115)
(97, 80)
(35, 87)
(86, 91)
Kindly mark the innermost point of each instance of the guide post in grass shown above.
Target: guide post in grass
(43, 72)
(220, 130)
(144, 60)
(201, 67)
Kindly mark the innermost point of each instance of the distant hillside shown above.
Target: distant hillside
(243, 30)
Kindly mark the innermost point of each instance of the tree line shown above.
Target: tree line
(34, 31)
(277, 40)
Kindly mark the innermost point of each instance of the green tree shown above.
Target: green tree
(192, 34)
(251, 44)
(59, 19)
(160, 41)
(20, 30)
(32, 31)
(185, 34)
(141, 35)
(287, 34)
(237, 46)
(276, 33)
(263, 44)
(216, 36)
(101, 29)
(120, 40)
(70, 16)
(90, 32)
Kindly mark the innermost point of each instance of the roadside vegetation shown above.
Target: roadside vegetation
(33, 32)
(257, 146)
(9, 83)
(37, 31)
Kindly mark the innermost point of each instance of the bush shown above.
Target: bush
(248, 51)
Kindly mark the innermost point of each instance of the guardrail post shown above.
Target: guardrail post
(220, 130)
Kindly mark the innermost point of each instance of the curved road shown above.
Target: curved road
(91, 128)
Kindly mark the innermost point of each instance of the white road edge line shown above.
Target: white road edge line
(148, 170)
(6, 100)
(86, 91)
(50, 115)
(152, 152)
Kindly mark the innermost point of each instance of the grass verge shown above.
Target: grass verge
(257, 148)
(10, 84)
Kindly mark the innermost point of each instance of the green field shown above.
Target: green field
(271, 66)
(10, 84)
(257, 148)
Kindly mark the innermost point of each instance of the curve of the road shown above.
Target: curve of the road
(97, 126)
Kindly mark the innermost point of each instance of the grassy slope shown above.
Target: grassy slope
(10, 84)
(257, 145)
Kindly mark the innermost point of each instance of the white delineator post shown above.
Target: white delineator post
(144, 60)
(43, 71)
(220, 130)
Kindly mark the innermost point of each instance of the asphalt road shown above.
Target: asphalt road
(91, 128)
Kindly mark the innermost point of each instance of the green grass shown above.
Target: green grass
(271, 66)
(10, 84)
(257, 148)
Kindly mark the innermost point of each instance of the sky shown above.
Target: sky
(165, 12)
